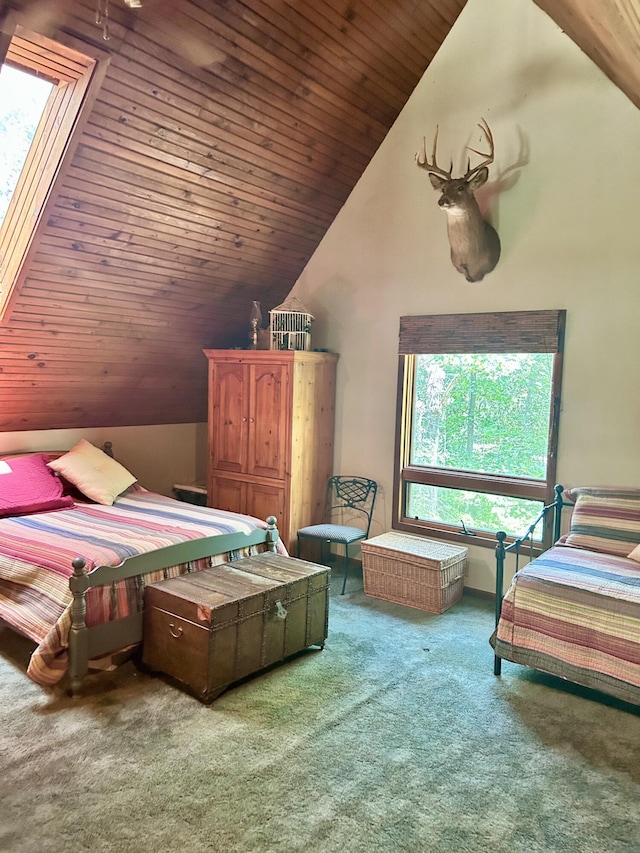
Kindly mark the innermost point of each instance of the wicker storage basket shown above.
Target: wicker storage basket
(414, 571)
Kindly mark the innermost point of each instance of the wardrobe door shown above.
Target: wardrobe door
(268, 420)
(228, 493)
(264, 500)
(229, 395)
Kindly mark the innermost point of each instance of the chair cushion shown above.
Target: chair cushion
(332, 533)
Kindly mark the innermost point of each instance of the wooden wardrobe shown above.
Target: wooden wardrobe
(271, 419)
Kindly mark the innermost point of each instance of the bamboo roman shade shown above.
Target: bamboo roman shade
(504, 331)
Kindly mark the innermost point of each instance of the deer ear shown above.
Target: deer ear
(478, 179)
(436, 181)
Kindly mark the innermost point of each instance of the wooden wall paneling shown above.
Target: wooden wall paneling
(283, 58)
(202, 239)
(101, 169)
(263, 66)
(105, 147)
(332, 54)
(368, 23)
(224, 140)
(284, 98)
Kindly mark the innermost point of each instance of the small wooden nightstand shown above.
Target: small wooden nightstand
(192, 493)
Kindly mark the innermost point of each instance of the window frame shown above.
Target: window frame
(76, 71)
(496, 332)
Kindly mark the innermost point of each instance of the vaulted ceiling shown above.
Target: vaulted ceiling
(225, 138)
(608, 31)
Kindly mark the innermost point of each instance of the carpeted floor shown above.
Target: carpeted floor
(396, 737)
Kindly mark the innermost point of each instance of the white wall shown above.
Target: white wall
(159, 456)
(563, 196)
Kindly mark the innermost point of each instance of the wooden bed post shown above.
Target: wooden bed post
(272, 534)
(78, 645)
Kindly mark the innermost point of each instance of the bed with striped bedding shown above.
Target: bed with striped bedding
(37, 550)
(574, 611)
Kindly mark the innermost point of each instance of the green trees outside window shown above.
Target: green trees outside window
(477, 426)
(484, 414)
(23, 97)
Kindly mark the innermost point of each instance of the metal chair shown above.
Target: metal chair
(349, 501)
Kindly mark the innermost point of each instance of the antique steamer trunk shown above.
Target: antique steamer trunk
(414, 571)
(214, 627)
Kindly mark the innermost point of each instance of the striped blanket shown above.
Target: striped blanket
(36, 553)
(576, 614)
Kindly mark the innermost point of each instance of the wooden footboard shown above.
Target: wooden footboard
(86, 643)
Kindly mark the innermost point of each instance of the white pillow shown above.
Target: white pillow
(97, 475)
(635, 554)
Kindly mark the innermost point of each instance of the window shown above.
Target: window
(67, 76)
(23, 97)
(477, 430)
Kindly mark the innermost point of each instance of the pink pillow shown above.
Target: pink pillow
(27, 485)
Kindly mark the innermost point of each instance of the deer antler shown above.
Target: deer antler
(484, 127)
(433, 166)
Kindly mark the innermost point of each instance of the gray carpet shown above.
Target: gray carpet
(396, 737)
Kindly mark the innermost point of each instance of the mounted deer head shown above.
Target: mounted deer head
(475, 245)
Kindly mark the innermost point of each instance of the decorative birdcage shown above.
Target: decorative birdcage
(290, 326)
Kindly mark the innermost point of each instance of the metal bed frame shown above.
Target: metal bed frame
(551, 518)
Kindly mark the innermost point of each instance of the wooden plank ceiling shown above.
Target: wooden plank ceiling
(225, 139)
